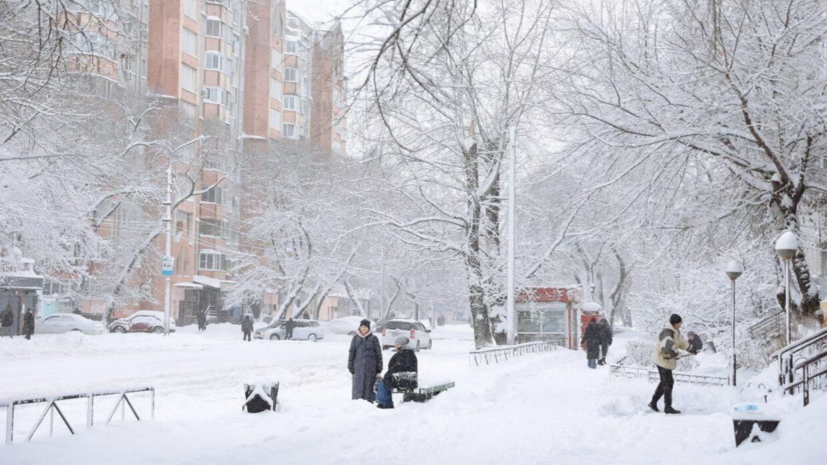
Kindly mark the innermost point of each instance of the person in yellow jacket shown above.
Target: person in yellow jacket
(669, 343)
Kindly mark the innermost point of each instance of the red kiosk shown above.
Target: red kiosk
(549, 314)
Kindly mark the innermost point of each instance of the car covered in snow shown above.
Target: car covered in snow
(309, 330)
(142, 321)
(348, 325)
(65, 322)
(418, 335)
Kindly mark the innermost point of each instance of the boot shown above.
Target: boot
(669, 410)
(654, 406)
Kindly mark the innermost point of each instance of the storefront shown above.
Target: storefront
(19, 290)
(548, 314)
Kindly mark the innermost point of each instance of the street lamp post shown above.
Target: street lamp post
(787, 247)
(734, 270)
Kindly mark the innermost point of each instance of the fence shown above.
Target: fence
(653, 376)
(52, 407)
(498, 354)
(801, 350)
(769, 327)
(812, 372)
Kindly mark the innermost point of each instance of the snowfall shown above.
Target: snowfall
(542, 408)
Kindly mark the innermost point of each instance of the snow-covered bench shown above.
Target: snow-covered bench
(412, 390)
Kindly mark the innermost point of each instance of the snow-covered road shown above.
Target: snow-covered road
(545, 408)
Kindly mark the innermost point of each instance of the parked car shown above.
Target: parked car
(309, 330)
(142, 321)
(66, 322)
(419, 335)
(346, 325)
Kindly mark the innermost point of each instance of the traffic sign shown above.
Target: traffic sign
(167, 266)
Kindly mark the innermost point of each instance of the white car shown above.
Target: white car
(347, 325)
(66, 322)
(309, 330)
(142, 321)
(419, 335)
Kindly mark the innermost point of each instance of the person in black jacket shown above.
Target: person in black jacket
(591, 342)
(28, 324)
(7, 321)
(201, 318)
(247, 327)
(364, 362)
(403, 361)
(605, 340)
(288, 328)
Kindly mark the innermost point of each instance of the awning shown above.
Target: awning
(188, 285)
(212, 282)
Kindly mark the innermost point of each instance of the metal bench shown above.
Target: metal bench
(407, 385)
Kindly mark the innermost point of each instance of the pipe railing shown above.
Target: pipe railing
(808, 346)
(813, 370)
(52, 407)
(503, 354)
(630, 372)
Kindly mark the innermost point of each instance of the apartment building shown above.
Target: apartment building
(241, 73)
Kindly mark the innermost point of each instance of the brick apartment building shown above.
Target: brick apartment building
(245, 74)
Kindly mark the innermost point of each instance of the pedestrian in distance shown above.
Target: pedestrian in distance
(591, 342)
(364, 362)
(670, 342)
(7, 321)
(288, 328)
(403, 362)
(247, 327)
(201, 318)
(605, 340)
(28, 324)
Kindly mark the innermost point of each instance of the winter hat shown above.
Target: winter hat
(365, 322)
(402, 341)
(675, 319)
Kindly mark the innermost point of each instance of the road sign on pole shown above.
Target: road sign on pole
(167, 266)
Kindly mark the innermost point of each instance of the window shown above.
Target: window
(208, 260)
(276, 60)
(276, 89)
(191, 8)
(215, 28)
(212, 195)
(212, 60)
(182, 224)
(303, 107)
(275, 119)
(398, 325)
(291, 47)
(291, 75)
(291, 131)
(189, 43)
(189, 78)
(291, 102)
(216, 95)
(209, 228)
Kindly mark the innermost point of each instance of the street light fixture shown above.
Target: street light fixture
(787, 247)
(734, 270)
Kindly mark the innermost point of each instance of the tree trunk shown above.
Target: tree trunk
(474, 272)
(800, 270)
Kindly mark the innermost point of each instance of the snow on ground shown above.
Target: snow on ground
(546, 408)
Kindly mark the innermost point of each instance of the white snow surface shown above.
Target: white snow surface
(542, 408)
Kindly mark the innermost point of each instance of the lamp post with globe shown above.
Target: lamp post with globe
(734, 270)
(787, 247)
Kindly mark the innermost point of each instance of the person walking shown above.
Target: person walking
(403, 361)
(591, 342)
(364, 362)
(605, 340)
(288, 328)
(28, 324)
(669, 343)
(201, 318)
(7, 321)
(247, 327)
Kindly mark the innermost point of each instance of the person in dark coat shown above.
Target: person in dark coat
(591, 342)
(364, 362)
(288, 328)
(28, 324)
(201, 318)
(403, 361)
(605, 340)
(247, 327)
(7, 322)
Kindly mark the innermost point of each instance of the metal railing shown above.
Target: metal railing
(52, 407)
(813, 370)
(503, 354)
(802, 349)
(768, 328)
(653, 376)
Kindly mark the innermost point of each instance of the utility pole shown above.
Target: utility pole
(512, 220)
(167, 268)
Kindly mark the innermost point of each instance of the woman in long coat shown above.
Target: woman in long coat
(591, 341)
(364, 362)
